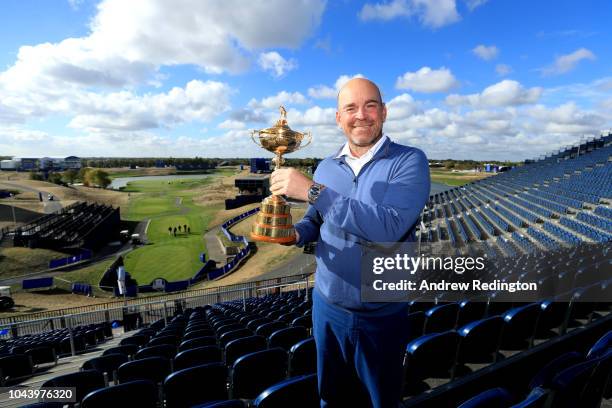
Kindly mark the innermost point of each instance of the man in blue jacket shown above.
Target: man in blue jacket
(371, 190)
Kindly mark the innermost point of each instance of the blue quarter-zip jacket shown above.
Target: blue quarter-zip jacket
(381, 204)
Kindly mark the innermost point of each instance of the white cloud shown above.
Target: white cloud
(129, 41)
(327, 92)
(198, 101)
(503, 69)
(275, 63)
(207, 33)
(75, 4)
(474, 4)
(568, 62)
(322, 92)
(566, 118)
(128, 44)
(401, 107)
(431, 13)
(281, 98)
(427, 80)
(504, 93)
(231, 124)
(485, 52)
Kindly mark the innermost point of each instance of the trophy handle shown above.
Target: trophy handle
(309, 135)
(255, 140)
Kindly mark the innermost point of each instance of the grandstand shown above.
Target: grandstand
(259, 350)
(79, 225)
(562, 199)
(548, 221)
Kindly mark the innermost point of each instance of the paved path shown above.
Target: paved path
(214, 249)
(49, 206)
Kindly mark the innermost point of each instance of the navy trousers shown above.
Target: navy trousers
(359, 355)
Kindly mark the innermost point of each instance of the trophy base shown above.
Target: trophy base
(273, 223)
(277, 240)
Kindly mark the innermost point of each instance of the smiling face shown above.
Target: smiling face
(361, 114)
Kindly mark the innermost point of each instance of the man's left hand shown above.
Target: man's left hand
(290, 182)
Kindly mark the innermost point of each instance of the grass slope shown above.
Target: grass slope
(169, 204)
(455, 179)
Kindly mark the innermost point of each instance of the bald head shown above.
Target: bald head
(361, 114)
(358, 85)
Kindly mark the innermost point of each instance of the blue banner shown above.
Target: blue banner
(37, 283)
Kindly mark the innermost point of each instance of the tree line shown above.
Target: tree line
(88, 176)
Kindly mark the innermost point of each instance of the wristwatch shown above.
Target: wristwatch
(314, 192)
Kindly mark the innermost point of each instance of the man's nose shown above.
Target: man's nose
(361, 113)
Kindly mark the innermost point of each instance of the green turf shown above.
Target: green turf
(450, 181)
(168, 204)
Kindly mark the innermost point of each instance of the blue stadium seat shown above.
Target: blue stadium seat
(544, 377)
(245, 345)
(107, 365)
(294, 392)
(197, 356)
(150, 368)
(536, 399)
(441, 318)
(599, 384)
(289, 317)
(493, 398)
(267, 329)
(137, 339)
(416, 322)
(567, 387)
(519, 326)
(216, 323)
(303, 358)
(165, 339)
(253, 373)
(84, 382)
(552, 315)
(162, 350)
(470, 311)
(286, 338)
(221, 330)
(197, 333)
(127, 349)
(138, 393)
(224, 404)
(191, 327)
(197, 342)
(603, 344)
(233, 335)
(255, 323)
(302, 321)
(42, 355)
(196, 385)
(429, 356)
(480, 340)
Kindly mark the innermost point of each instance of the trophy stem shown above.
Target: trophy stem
(278, 161)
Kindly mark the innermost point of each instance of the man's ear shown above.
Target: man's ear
(384, 112)
(337, 118)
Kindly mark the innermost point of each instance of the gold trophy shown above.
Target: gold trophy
(273, 223)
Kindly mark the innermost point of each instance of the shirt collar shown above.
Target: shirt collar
(346, 151)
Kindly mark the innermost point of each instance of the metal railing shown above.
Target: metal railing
(150, 308)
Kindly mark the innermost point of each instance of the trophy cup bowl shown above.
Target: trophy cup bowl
(273, 222)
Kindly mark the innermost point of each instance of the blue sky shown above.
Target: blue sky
(465, 79)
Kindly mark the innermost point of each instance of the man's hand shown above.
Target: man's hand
(291, 183)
